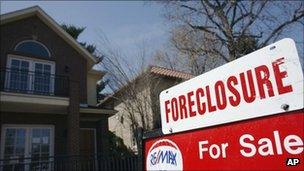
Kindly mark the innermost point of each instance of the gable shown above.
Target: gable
(33, 28)
(68, 61)
(50, 23)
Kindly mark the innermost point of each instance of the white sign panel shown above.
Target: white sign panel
(266, 82)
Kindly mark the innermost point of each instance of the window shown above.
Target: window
(42, 79)
(27, 144)
(29, 75)
(19, 75)
(32, 47)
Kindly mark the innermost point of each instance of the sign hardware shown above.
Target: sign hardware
(273, 47)
(285, 107)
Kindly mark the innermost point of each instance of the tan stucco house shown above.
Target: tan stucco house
(143, 106)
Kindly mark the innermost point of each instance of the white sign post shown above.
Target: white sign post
(266, 82)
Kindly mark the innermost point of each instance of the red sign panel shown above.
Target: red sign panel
(268, 143)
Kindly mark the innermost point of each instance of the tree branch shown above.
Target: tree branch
(205, 29)
(281, 27)
(253, 17)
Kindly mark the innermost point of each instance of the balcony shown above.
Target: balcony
(22, 81)
(21, 89)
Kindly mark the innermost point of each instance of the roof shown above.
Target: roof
(97, 110)
(37, 11)
(170, 72)
(162, 71)
(97, 73)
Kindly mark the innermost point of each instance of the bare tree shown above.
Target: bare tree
(130, 84)
(163, 58)
(229, 29)
(190, 51)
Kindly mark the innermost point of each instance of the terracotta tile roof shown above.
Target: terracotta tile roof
(155, 70)
(170, 72)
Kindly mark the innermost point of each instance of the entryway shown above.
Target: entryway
(87, 142)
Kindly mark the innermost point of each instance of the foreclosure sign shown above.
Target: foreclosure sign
(245, 115)
(266, 82)
(266, 143)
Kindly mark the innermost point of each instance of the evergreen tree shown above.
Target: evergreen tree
(75, 31)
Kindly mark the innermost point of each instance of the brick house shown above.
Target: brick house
(48, 91)
(148, 87)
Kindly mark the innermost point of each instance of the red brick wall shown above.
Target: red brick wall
(61, 52)
(73, 120)
(59, 121)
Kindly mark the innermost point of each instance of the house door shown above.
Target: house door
(43, 83)
(26, 148)
(87, 142)
(18, 75)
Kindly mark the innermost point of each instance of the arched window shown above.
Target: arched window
(32, 47)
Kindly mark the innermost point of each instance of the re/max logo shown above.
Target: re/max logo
(167, 157)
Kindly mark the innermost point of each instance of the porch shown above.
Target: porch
(38, 82)
(20, 90)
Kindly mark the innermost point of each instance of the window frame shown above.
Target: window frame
(32, 62)
(8, 75)
(28, 135)
(35, 41)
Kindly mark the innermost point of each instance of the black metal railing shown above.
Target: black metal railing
(79, 163)
(29, 82)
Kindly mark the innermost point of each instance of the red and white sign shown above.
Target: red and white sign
(164, 155)
(266, 82)
(269, 143)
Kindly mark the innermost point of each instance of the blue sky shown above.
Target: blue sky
(127, 24)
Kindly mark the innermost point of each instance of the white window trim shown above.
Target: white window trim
(24, 41)
(32, 62)
(27, 141)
